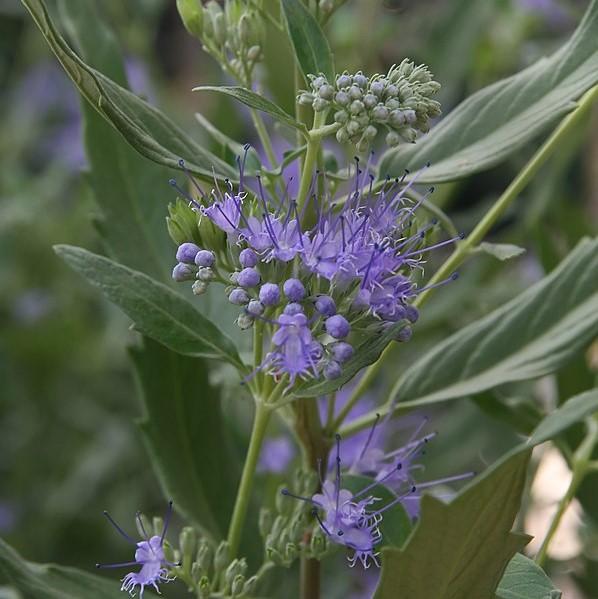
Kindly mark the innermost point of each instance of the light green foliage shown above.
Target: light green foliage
(523, 579)
(157, 311)
(494, 122)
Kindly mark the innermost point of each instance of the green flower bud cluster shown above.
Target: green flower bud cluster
(289, 530)
(233, 33)
(399, 102)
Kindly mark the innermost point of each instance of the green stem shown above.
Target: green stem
(463, 249)
(310, 579)
(581, 466)
(260, 423)
(311, 157)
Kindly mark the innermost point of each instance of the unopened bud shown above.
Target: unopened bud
(393, 139)
(408, 134)
(238, 585)
(204, 556)
(344, 80)
(191, 12)
(320, 105)
(187, 541)
(250, 585)
(199, 287)
(265, 521)
(305, 99)
(221, 558)
(254, 54)
(245, 321)
(326, 92)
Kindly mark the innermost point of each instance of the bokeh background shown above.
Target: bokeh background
(69, 445)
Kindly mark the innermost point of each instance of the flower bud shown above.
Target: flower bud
(305, 99)
(248, 258)
(360, 79)
(238, 297)
(392, 91)
(393, 139)
(353, 127)
(342, 98)
(269, 294)
(265, 521)
(255, 308)
(205, 592)
(186, 252)
(326, 92)
(325, 305)
(205, 258)
(342, 136)
(237, 586)
(411, 313)
(219, 25)
(344, 80)
(370, 132)
(196, 572)
(294, 289)
(370, 100)
(250, 586)
(183, 272)
(397, 118)
(293, 309)
(248, 277)
(205, 274)
(332, 370)
(254, 54)
(221, 559)
(320, 105)
(403, 334)
(410, 116)
(356, 107)
(204, 556)
(318, 82)
(245, 321)
(337, 326)
(342, 116)
(408, 134)
(187, 541)
(380, 113)
(377, 87)
(191, 13)
(355, 93)
(291, 552)
(341, 351)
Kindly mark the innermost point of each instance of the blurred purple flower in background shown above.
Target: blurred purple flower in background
(550, 10)
(276, 455)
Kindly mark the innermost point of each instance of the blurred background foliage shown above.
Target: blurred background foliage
(69, 446)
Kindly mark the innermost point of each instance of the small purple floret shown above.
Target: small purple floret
(238, 297)
(183, 272)
(337, 326)
(342, 351)
(255, 308)
(325, 305)
(248, 277)
(294, 289)
(248, 258)
(205, 258)
(269, 294)
(186, 252)
(332, 370)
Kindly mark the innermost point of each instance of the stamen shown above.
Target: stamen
(166, 522)
(121, 565)
(370, 436)
(453, 277)
(173, 183)
(287, 493)
(119, 529)
(193, 180)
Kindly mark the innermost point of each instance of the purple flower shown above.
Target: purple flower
(149, 554)
(269, 294)
(294, 289)
(295, 353)
(187, 253)
(225, 213)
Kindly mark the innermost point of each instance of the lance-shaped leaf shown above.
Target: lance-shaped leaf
(462, 548)
(530, 336)
(524, 579)
(186, 437)
(147, 129)
(492, 123)
(253, 100)
(47, 581)
(309, 42)
(130, 191)
(157, 311)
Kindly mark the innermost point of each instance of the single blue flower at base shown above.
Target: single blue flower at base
(149, 555)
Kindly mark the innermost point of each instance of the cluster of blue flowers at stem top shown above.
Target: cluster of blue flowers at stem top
(319, 274)
(353, 519)
(149, 554)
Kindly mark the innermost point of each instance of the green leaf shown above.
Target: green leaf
(524, 579)
(309, 42)
(157, 311)
(530, 336)
(462, 548)
(396, 524)
(253, 100)
(130, 191)
(47, 581)
(147, 129)
(494, 122)
(502, 251)
(572, 411)
(185, 435)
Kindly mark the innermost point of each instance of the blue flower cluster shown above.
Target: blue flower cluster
(318, 277)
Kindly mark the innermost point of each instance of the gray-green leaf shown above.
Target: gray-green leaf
(309, 42)
(186, 436)
(47, 581)
(157, 311)
(462, 548)
(524, 579)
(492, 123)
(147, 129)
(253, 100)
(530, 336)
